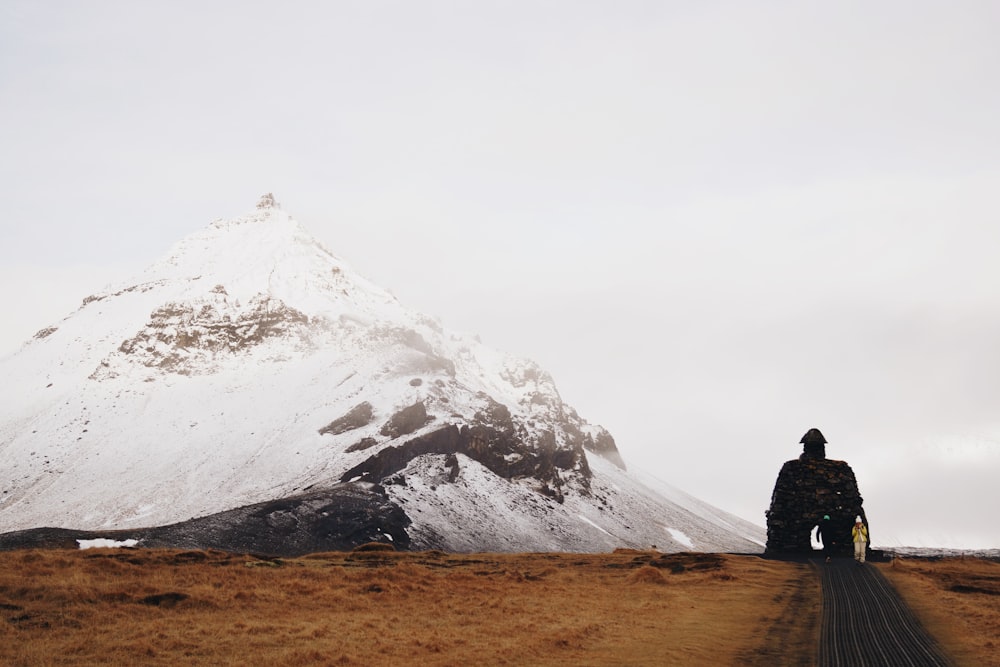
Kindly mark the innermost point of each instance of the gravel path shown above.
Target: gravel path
(865, 623)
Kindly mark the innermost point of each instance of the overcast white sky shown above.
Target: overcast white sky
(716, 224)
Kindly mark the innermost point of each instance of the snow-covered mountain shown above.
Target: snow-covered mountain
(251, 364)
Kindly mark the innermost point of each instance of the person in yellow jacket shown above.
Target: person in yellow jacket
(860, 536)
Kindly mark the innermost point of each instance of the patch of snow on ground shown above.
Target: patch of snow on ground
(106, 543)
(680, 537)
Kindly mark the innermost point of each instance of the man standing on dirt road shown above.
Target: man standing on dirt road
(825, 532)
(860, 536)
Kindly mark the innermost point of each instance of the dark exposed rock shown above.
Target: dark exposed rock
(358, 416)
(362, 444)
(406, 421)
(392, 459)
(453, 467)
(501, 451)
(47, 331)
(336, 519)
(807, 489)
(604, 445)
(54, 538)
(494, 415)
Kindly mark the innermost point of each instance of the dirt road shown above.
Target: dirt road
(865, 623)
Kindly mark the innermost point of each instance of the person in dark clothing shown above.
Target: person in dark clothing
(825, 534)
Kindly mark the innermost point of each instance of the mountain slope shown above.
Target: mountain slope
(251, 364)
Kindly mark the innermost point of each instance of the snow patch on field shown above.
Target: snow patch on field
(680, 537)
(106, 543)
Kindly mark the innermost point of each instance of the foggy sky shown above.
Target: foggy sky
(716, 224)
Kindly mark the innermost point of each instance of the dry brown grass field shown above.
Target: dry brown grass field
(957, 600)
(159, 607)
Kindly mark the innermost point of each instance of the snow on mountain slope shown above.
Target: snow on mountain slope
(251, 364)
(620, 512)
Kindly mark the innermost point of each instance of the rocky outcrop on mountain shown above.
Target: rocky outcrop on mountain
(807, 489)
(186, 338)
(497, 449)
(358, 416)
(492, 435)
(406, 421)
(339, 518)
(335, 519)
(604, 445)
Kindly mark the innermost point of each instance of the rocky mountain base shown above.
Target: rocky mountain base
(336, 519)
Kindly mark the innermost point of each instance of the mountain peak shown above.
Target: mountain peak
(252, 365)
(268, 201)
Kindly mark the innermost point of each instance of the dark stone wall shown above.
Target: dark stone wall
(807, 489)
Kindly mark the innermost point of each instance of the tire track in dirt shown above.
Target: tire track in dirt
(790, 638)
(864, 622)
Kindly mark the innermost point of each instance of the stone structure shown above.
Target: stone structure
(807, 489)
